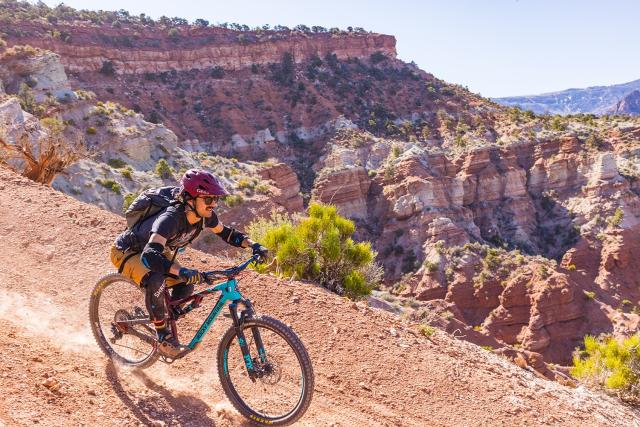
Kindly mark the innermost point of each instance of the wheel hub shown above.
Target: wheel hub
(269, 372)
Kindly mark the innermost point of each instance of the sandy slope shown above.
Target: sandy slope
(371, 368)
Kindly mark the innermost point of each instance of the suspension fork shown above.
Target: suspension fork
(257, 339)
(237, 323)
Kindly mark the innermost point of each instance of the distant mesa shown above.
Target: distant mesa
(630, 104)
(592, 100)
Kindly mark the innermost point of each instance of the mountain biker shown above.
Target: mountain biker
(161, 236)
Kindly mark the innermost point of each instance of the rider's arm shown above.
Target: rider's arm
(232, 236)
(163, 228)
(153, 256)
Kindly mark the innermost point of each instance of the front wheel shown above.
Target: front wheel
(282, 388)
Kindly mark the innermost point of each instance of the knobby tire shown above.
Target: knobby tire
(229, 339)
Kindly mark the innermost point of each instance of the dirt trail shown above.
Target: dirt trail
(371, 368)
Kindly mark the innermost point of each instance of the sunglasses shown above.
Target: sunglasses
(208, 200)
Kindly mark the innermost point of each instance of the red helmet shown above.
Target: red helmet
(196, 182)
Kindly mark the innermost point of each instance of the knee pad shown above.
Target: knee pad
(153, 280)
(181, 291)
(153, 283)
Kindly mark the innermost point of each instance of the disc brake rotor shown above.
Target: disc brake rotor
(117, 327)
(271, 372)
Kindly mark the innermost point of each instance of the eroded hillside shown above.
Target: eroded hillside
(53, 374)
(516, 229)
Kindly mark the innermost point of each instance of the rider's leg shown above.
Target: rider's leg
(181, 290)
(154, 284)
(154, 296)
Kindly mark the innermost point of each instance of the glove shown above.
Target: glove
(260, 250)
(191, 277)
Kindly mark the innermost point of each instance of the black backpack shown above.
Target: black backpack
(149, 203)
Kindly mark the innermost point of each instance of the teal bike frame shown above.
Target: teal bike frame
(229, 295)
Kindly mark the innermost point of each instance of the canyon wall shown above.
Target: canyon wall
(517, 229)
(154, 52)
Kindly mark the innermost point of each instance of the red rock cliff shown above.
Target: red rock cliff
(196, 48)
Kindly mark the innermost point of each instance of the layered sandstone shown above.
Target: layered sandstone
(457, 169)
(286, 185)
(347, 189)
(205, 48)
(125, 150)
(531, 305)
(45, 72)
(523, 195)
(547, 197)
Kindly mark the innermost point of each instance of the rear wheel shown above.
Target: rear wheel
(115, 302)
(282, 391)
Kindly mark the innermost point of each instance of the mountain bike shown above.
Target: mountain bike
(264, 368)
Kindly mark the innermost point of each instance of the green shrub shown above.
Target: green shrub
(492, 259)
(116, 163)
(558, 124)
(396, 151)
(259, 228)
(107, 68)
(110, 184)
(590, 295)
(431, 267)
(128, 199)
(320, 248)
(377, 56)
(543, 271)
(234, 200)
(245, 183)
(91, 130)
(616, 219)
(127, 172)
(163, 170)
(262, 189)
(611, 364)
(593, 142)
(28, 101)
(426, 330)
(217, 72)
(174, 34)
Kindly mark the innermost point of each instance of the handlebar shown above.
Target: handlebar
(231, 272)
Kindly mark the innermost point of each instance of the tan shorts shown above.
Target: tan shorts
(134, 268)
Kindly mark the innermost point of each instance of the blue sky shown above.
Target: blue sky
(495, 47)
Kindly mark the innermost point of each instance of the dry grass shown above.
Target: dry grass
(42, 158)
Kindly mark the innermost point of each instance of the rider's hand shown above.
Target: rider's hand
(191, 277)
(260, 250)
